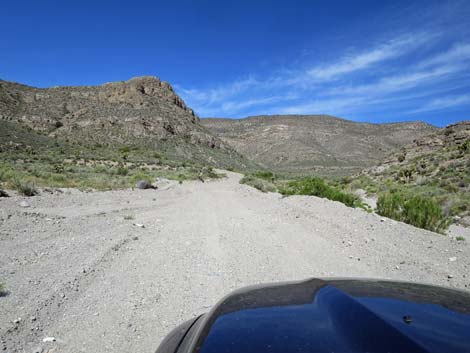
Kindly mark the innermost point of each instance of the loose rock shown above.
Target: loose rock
(24, 204)
(144, 184)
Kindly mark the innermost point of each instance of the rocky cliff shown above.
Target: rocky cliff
(138, 108)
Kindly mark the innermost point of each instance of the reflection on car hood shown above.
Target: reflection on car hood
(337, 316)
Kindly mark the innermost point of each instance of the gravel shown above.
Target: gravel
(96, 282)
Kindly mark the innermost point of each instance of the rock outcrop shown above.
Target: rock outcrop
(141, 107)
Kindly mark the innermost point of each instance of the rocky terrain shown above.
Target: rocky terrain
(116, 271)
(317, 144)
(437, 165)
(142, 111)
(439, 148)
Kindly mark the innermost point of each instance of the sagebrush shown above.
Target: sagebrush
(25, 188)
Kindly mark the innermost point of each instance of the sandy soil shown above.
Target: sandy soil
(77, 270)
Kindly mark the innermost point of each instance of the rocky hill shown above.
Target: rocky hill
(443, 146)
(142, 111)
(436, 165)
(314, 143)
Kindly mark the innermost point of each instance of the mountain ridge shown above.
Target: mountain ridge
(321, 144)
(140, 111)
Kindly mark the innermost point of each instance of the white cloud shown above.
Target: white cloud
(332, 89)
(459, 53)
(219, 93)
(352, 63)
(325, 106)
(400, 83)
(449, 102)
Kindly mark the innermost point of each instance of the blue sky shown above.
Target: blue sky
(376, 61)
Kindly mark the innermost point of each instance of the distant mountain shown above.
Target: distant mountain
(142, 111)
(302, 144)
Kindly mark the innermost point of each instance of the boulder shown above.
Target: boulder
(144, 185)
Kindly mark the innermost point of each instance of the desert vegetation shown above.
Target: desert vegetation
(37, 161)
(414, 203)
(267, 181)
(315, 186)
(261, 180)
(422, 212)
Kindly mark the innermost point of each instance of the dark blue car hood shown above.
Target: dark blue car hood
(335, 316)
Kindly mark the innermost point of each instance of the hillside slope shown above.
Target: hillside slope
(314, 143)
(436, 166)
(142, 111)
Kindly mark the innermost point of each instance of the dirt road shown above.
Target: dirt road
(81, 268)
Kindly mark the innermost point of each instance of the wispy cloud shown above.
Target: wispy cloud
(360, 61)
(449, 102)
(459, 53)
(389, 71)
(322, 106)
(220, 93)
(401, 82)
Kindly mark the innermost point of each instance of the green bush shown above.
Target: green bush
(125, 149)
(391, 205)
(464, 147)
(419, 211)
(257, 183)
(122, 171)
(264, 174)
(318, 187)
(2, 289)
(24, 188)
(100, 169)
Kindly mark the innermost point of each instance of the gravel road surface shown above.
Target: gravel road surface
(116, 271)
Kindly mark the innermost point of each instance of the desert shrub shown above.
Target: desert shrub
(460, 238)
(58, 168)
(100, 169)
(257, 183)
(318, 187)
(464, 147)
(2, 290)
(391, 205)
(24, 188)
(6, 173)
(125, 149)
(406, 174)
(425, 213)
(122, 170)
(345, 180)
(209, 172)
(264, 174)
(422, 212)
